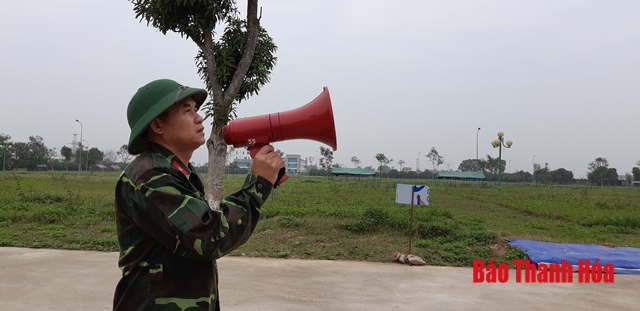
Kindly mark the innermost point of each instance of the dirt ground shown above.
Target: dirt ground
(43, 279)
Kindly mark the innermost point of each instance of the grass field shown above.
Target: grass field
(351, 219)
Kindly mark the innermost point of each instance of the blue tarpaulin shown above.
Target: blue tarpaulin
(625, 260)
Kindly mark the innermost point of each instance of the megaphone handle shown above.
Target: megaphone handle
(282, 176)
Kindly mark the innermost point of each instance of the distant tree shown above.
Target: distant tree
(81, 153)
(483, 164)
(326, 159)
(21, 154)
(94, 156)
(598, 171)
(394, 173)
(409, 175)
(542, 174)
(596, 177)
(6, 148)
(470, 165)
(597, 163)
(52, 155)
(66, 153)
(355, 161)
(29, 155)
(382, 160)
(611, 177)
(435, 158)
(310, 164)
(400, 164)
(562, 176)
(124, 154)
(110, 157)
(39, 151)
(491, 164)
(519, 176)
(636, 173)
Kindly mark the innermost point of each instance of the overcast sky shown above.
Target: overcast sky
(559, 78)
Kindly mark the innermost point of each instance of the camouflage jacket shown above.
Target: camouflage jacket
(169, 237)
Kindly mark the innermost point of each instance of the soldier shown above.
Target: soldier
(169, 236)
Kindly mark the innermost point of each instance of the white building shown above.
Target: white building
(294, 163)
(241, 157)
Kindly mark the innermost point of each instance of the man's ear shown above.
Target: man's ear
(156, 127)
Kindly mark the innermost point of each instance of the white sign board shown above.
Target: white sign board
(420, 194)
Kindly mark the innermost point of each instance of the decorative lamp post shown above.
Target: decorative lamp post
(498, 143)
(80, 156)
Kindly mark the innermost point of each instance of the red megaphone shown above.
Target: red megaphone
(312, 121)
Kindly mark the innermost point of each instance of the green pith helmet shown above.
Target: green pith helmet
(152, 100)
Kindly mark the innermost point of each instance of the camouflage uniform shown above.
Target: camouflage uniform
(169, 237)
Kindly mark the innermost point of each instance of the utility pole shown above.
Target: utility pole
(80, 156)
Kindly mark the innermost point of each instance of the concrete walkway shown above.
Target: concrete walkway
(42, 279)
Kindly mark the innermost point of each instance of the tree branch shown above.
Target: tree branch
(207, 50)
(253, 27)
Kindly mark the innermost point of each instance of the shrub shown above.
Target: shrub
(373, 218)
(288, 222)
(434, 229)
(477, 237)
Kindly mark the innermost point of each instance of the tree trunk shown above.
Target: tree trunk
(215, 176)
(216, 146)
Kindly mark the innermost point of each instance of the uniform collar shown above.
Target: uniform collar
(184, 170)
(173, 159)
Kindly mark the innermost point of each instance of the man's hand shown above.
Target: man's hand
(267, 163)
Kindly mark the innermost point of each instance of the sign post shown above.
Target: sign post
(410, 194)
(413, 191)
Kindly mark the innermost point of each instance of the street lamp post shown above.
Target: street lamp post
(498, 143)
(80, 156)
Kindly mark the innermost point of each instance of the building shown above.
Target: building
(294, 163)
(98, 167)
(241, 158)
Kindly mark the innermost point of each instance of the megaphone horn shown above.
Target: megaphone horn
(312, 121)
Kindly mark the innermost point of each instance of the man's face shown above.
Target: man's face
(182, 126)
